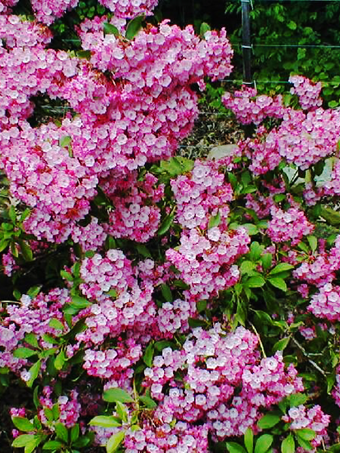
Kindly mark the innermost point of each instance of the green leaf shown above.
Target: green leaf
(134, 26)
(66, 275)
(33, 443)
(313, 243)
(60, 360)
(214, 220)
(255, 251)
(268, 421)
(282, 267)
(24, 353)
(263, 443)
(65, 141)
(110, 29)
(166, 224)
(114, 442)
(80, 302)
(105, 421)
(292, 25)
(166, 292)
(74, 434)
(297, 399)
(122, 412)
(249, 440)
(234, 447)
(267, 259)
(306, 445)
(34, 291)
(34, 371)
(143, 250)
(22, 440)
(204, 28)
(56, 324)
(26, 251)
(255, 282)
(201, 306)
(247, 267)
(278, 283)
(52, 445)
(288, 445)
(251, 229)
(116, 394)
(281, 344)
(61, 432)
(23, 424)
(148, 402)
(332, 217)
(306, 433)
(148, 354)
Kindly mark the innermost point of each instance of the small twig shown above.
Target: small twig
(305, 353)
(259, 338)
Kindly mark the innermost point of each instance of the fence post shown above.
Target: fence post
(246, 41)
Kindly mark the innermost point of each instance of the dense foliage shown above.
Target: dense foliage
(153, 303)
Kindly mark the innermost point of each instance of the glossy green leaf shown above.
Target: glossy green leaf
(214, 220)
(23, 424)
(116, 394)
(148, 354)
(288, 445)
(281, 344)
(281, 267)
(166, 224)
(110, 29)
(278, 283)
(61, 432)
(306, 433)
(105, 421)
(234, 447)
(148, 402)
(204, 28)
(24, 353)
(114, 442)
(134, 26)
(34, 371)
(56, 324)
(22, 440)
(268, 421)
(249, 440)
(263, 443)
(255, 282)
(53, 445)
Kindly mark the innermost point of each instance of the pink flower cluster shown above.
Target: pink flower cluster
(321, 268)
(129, 8)
(120, 303)
(206, 261)
(261, 151)
(182, 437)
(113, 364)
(29, 316)
(291, 225)
(314, 418)
(201, 194)
(135, 214)
(326, 303)
(308, 92)
(250, 108)
(47, 11)
(6, 4)
(212, 365)
(69, 407)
